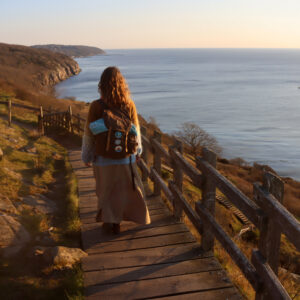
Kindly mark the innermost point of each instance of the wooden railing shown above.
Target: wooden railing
(49, 119)
(265, 211)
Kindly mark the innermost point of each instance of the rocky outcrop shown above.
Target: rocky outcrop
(13, 236)
(31, 69)
(59, 256)
(60, 73)
(40, 203)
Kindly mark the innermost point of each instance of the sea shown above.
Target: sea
(248, 99)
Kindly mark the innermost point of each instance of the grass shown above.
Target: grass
(23, 174)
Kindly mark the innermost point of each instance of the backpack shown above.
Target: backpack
(119, 141)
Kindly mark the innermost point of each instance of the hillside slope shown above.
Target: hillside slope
(29, 68)
(72, 50)
(30, 74)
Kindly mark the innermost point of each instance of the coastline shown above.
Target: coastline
(238, 123)
(236, 170)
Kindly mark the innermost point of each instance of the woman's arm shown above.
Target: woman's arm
(88, 141)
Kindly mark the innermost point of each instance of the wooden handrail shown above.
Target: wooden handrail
(187, 168)
(286, 222)
(234, 195)
(231, 248)
(206, 177)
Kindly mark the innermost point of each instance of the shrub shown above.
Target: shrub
(196, 138)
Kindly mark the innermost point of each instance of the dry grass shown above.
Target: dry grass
(31, 174)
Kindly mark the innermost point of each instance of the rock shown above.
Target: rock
(41, 203)
(63, 257)
(13, 174)
(7, 206)
(1, 154)
(15, 141)
(57, 156)
(13, 236)
(31, 150)
(28, 149)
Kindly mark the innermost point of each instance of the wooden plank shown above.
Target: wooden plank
(144, 257)
(143, 243)
(231, 248)
(142, 165)
(144, 154)
(146, 142)
(157, 179)
(91, 210)
(155, 205)
(152, 271)
(94, 234)
(161, 151)
(157, 220)
(191, 214)
(229, 293)
(187, 168)
(288, 224)
(234, 195)
(156, 164)
(208, 198)
(160, 286)
(275, 289)
(25, 106)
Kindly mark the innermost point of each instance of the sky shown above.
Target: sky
(122, 24)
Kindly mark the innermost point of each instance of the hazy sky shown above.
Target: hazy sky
(152, 23)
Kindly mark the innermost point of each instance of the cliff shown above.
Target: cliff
(33, 70)
(72, 50)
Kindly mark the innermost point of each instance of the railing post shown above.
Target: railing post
(269, 241)
(144, 153)
(41, 121)
(177, 178)
(78, 123)
(70, 119)
(157, 164)
(208, 199)
(9, 112)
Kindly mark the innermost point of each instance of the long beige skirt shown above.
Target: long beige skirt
(117, 200)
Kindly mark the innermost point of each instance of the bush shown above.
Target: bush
(196, 138)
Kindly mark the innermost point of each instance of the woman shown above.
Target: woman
(119, 188)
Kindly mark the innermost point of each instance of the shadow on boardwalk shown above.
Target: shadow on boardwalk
(159, 260)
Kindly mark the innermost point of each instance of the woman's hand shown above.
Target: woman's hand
(88, 164)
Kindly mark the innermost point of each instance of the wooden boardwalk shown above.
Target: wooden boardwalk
(161, 260)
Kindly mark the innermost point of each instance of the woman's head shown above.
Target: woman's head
(113, 88)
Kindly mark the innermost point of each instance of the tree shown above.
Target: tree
(196, 138)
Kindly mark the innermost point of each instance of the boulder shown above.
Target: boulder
(63, 257)
(12, 174)
(13, 236)
(41, 203)
(6, 206)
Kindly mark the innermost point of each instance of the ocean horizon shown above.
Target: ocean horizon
(249, 99)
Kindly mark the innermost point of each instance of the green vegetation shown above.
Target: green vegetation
(33, 165)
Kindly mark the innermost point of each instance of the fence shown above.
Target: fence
(48, 119)
(265, 211)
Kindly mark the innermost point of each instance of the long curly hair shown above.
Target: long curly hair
(113, 88)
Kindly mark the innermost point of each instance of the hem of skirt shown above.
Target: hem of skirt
(125, 219)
